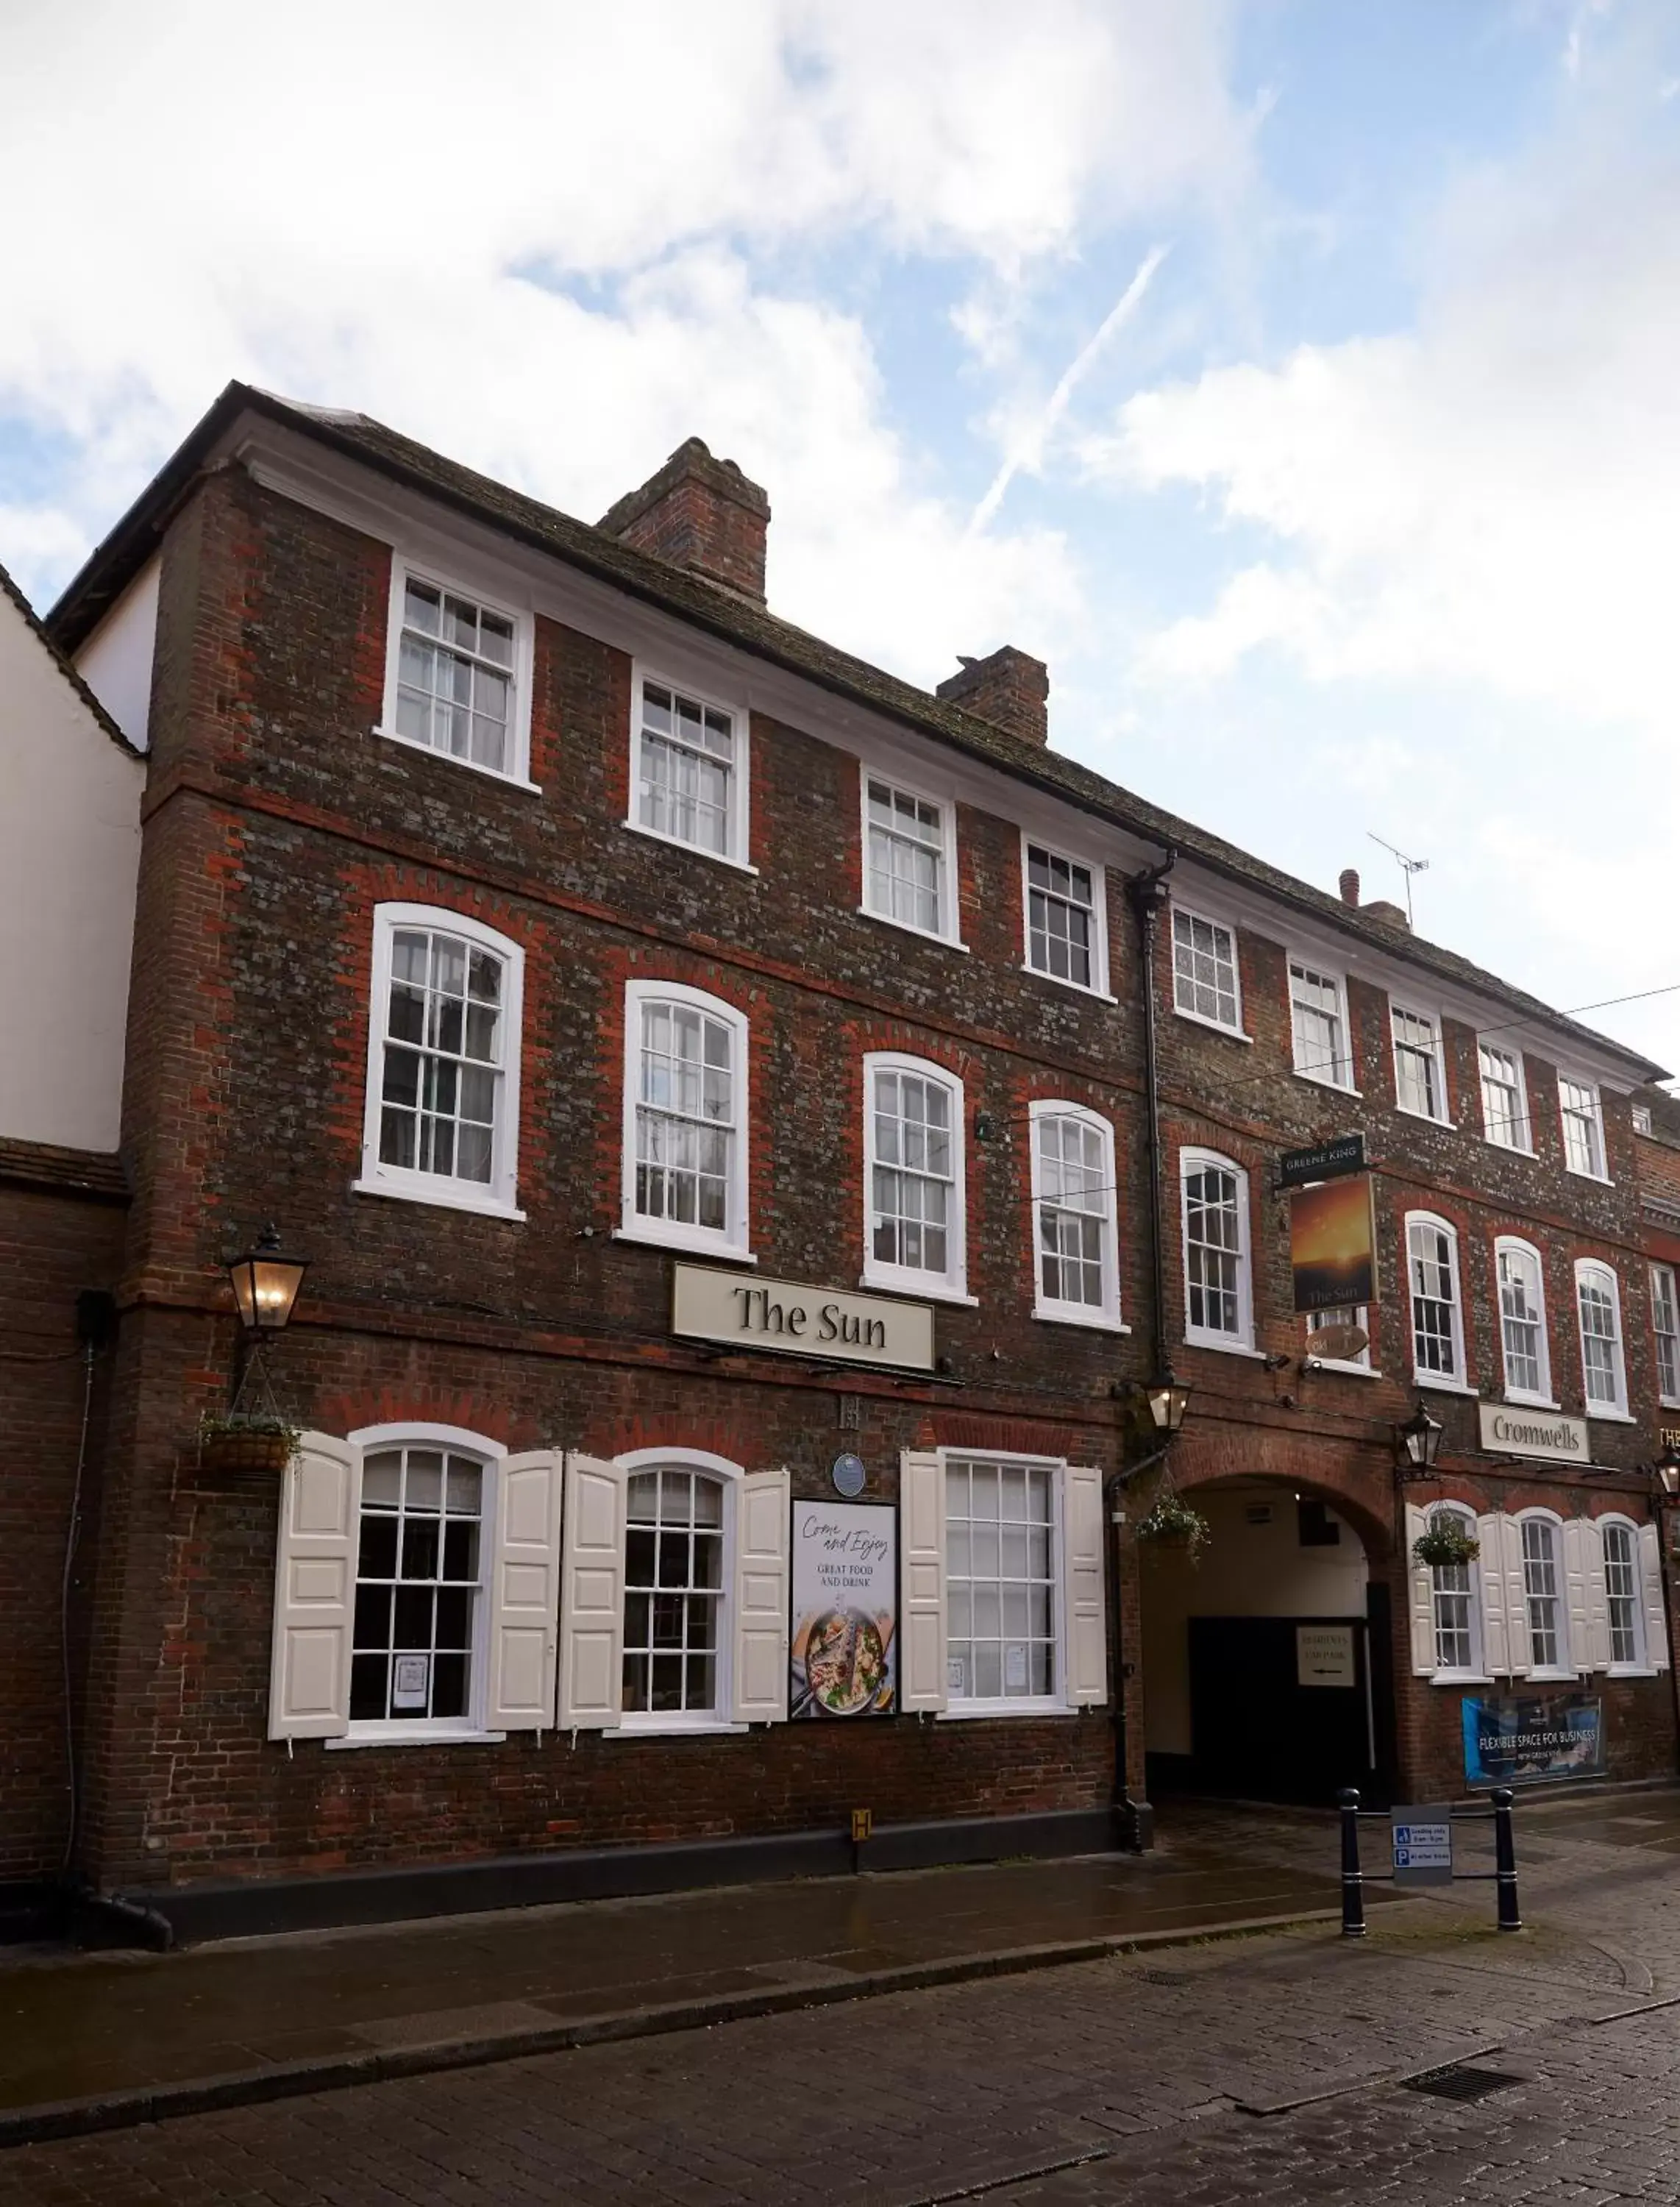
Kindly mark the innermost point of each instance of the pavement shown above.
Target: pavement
(93, 2040)
(1280, 2065)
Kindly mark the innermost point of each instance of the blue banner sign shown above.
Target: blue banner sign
(1513, 1741)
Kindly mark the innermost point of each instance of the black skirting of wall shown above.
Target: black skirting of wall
(253, 1907)
(32, 1908)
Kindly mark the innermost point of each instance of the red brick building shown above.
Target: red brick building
(688, 1057)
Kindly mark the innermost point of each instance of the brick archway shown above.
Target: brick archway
(1357, 1482)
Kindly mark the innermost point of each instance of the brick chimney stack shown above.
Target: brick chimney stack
(1009, 689)
(1348, 883)
(700, 513)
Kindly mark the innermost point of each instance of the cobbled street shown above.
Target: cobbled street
(1258, 2068)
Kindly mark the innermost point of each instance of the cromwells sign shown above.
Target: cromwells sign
(1553, 1438)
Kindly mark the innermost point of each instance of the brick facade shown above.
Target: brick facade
(276, 821)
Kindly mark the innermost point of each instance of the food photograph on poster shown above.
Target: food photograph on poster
(843, 1644)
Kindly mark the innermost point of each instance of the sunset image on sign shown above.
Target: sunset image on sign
(1332, 1252)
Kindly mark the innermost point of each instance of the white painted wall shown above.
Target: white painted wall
(115, 662)
(69, 850)
(1245, 1571)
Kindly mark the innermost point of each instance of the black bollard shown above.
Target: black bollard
(1352, 1878)
(1505, 1861)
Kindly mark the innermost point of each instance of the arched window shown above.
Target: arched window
(1218, 1296)
(1544, 1610)
(1604, 1376)
(1624, 1605)
(914, 1223)
(1438, 1321)
(1522, 1322)
(442, 1117)
(685, 1119)
(1456, 1601)
(1076, 1274)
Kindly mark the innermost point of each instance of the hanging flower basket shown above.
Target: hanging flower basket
(253, 1445)
(1172, 1523)
(1445, 1543)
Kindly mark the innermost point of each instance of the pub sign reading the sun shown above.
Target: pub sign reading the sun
(1333, 1244)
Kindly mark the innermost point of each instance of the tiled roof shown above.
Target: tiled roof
(11, 591)
(691, 597)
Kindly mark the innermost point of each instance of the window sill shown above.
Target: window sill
(1612, 1417)
(1428, 1118)
(1059, 981)
(1335, 1087)
(1462, 1678)
(665, 1728)
(1310, 1363)
(443, 1198)
(1222, 1348)
(1094, 1322)
(1213, 1027)
(923, 1291)
(1668, 1401)
(1433, 1384)
(1530, 1403)
(402, 1735)
(1632, 1671)
(1510, 1148)
(907, 927)
(972, 1711)
(490, 772)
(677, 843)
(1600, 1180)
(694, 1245)
(1553, 1677)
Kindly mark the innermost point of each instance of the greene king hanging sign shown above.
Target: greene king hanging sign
(748, 1312)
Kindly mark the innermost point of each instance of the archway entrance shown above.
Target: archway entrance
(1267, 1662)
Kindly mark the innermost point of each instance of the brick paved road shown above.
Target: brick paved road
(1146, 2076)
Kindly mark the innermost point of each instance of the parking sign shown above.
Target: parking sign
(1422, 1845)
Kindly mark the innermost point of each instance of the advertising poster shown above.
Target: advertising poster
(843, 1646)
(1512, 1741)
(1333, 1244)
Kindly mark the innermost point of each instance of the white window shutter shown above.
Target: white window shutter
(1489, 1567)
(1596, 1654)
(314, 1591)
(1420, 1582)
(763, 1526)
(1082, 1585)
(525, 1594)
(1574, 1592)
(1651, 1592)
(592, 1595)
(921, 1657)
(1519, 1661)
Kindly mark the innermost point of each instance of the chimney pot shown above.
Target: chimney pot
(1010, 689)
(1349, 886)
(700, 513)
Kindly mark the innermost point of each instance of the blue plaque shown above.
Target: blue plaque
(849, 1475)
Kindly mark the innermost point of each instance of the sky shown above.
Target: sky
(1297, 380)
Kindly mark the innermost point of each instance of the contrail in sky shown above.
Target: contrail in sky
(1056, 406)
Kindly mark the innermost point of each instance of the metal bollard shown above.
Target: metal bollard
(1352, 1878)
(1505, 1861)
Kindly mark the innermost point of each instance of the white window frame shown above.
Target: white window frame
(1641, 1666)
(1641, 1118)
(1191, 911)
(1241, 1342)
(1445, 1674)
(1522, 1143)
(1098, 983)
(1360, 1366)
(1616, 1411)
(497, 1197)
(1322, 1078)
(1437, 1053)
(430, 1731)
(1590, 1088)
(1459, 1383)
(1565, 1665)
(948, 931)
(740, 775)
(951, 1287)
(517, 772)
(642, 1723)
(1106, 1316)
(1542, 1398)
(965, 1710)
(1669, 1397)
(731, 1241)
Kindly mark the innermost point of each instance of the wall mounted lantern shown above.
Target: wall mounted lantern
(265, 1284)
(1417, 1444)
(1167, 1399)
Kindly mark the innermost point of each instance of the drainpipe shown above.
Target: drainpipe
(1147, 893)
